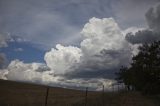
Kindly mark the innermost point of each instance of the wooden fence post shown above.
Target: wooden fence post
(118, 87)
(103, 96)
(46, 99)
(86, 96)
(112, 87)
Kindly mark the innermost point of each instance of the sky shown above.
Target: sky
(73, 43)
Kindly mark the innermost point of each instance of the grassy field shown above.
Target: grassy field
(22, 94)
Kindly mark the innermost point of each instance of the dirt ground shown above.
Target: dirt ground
(22, 94)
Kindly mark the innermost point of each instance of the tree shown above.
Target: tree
(123, 76)
(144, 72)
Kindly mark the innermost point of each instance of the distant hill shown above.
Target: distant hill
(24, 94)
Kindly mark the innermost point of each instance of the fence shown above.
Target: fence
(67, 97)
(29, 95)
(85, 98)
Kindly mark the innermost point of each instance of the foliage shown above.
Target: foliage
(144, 72)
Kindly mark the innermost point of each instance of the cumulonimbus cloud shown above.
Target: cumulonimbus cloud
(98, 35)
(102, 49)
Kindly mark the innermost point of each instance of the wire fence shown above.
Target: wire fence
(52, 96)
(80, 98)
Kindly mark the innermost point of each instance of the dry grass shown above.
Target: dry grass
(21, 94)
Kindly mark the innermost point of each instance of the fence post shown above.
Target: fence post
(112, 87)
(118, 87)
(103, 96)
(46, 99)
(86, 96)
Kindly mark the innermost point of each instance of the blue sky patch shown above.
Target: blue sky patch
(28, 54)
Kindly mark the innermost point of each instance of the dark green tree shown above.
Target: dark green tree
(124, 76)
(144, 72)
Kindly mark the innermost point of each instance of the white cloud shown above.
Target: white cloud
(19, 71)
(104, 45)
(101, 34)
(62, 58)
(3, 73)
(29, 72)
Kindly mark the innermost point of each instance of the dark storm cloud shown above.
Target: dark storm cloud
(144, 36)
(94, 73)
(152, 33)
(100, 67)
